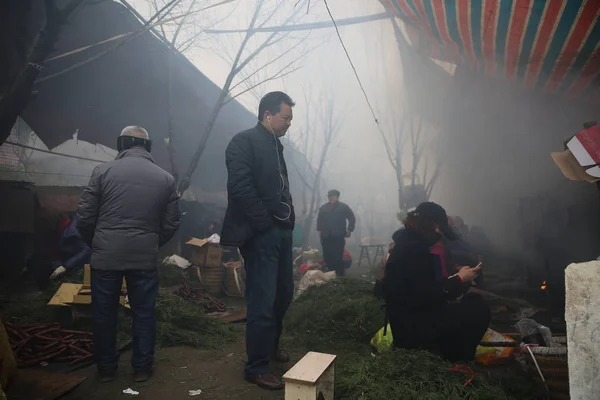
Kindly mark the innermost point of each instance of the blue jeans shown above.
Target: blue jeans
(142, 290)
(269, 292)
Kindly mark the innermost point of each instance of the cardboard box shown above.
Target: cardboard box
(204, 253)
(571, 168)
(581, 160)
(585, 146)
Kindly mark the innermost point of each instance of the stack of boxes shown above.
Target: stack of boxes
(206, 258)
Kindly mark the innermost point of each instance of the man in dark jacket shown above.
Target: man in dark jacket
(331, 223)
(129, 209)
(259, 220)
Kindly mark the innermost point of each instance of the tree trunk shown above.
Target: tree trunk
(18, 93)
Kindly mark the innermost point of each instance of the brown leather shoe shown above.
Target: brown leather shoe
(266, 381)
(281, 357)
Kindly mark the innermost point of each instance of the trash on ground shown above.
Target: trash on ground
(313, 278)
(195, 392)
(214, 238)
(177, 261)
(131, 392)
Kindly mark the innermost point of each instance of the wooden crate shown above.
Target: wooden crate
(312, 378)
(204, 253)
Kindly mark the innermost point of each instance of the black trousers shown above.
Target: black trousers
(269, 291)
(142, 290)
(454, 334)
(333, 253)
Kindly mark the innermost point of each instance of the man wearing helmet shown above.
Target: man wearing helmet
(129, 209)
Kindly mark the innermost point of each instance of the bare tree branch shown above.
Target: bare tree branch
(186, 180)
(263, 67)
(18, 92)
(309, 26)
(162, 28)
(124, 41)
(278, 75)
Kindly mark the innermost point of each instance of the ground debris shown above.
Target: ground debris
(200, 296)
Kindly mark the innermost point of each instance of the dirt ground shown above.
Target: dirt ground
(219, 374)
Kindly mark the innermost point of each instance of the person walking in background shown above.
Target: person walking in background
(129, 209)
(331, 224)
(259, 221)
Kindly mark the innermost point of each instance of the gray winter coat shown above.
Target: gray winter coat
(129, 209)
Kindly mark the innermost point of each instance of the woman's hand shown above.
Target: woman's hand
(468, 274)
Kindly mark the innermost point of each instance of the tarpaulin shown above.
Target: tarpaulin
(550, 45)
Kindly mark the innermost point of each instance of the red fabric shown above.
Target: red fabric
(590, 140)
(63, 225)
(347, 256)
(439, 250)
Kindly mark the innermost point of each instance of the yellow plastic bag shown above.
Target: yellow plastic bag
(382, 343)
(494, 355)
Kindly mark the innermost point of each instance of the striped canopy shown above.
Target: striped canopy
(550, 45)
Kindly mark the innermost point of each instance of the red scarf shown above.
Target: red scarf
(439, 250)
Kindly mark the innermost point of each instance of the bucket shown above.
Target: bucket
(211, 279)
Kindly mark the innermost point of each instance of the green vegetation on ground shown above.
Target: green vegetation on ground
(340, 317)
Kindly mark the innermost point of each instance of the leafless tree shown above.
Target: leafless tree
(242, 60)
(323, 117)
(404, 135)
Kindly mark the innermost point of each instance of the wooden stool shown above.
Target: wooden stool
(364, 252)
(378, 253)
(312, 378)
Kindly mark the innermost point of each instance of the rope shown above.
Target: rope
(53, 153)
(465, 369)
(539, 370)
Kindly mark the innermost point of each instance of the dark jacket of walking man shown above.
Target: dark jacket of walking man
(331, 223)
(259, 220)
(129, 209)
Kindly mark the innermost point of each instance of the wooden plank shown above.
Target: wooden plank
(310, 368)
(300, 391)
(40, 385)
(326, 384)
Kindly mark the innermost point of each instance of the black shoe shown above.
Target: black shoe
(107, 377)
(142, 376)
(266, 381)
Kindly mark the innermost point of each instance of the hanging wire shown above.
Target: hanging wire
(351, 63)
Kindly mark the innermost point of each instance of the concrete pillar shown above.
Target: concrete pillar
(582, 314)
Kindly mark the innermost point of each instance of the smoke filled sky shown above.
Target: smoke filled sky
(356, 163)
(493, 138)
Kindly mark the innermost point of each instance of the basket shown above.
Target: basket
(235, 283)
(553, 365)
(211, 279)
